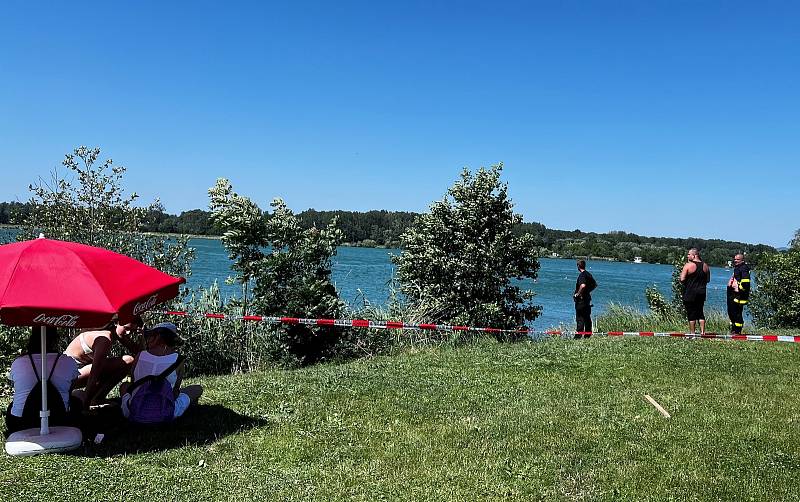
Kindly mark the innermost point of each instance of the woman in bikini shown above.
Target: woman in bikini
(99, 370)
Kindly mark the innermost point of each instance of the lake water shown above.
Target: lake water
(369, 270)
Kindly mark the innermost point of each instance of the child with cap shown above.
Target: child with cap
(160, 353)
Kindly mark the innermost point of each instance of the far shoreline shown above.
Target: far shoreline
(371, 244)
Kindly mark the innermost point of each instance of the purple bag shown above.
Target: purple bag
(154, 402)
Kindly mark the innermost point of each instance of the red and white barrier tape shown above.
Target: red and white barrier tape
(364, 323)
(349, 323)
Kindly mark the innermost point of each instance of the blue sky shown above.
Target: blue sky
(661, 118)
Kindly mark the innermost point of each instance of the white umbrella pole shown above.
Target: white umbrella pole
(37, 440)
(45, 413)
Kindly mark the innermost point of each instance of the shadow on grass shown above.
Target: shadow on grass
(201, 425)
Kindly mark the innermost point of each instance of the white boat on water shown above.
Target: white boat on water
(637, 259)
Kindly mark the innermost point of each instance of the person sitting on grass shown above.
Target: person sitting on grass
(155, 394)
(99, 370)
(26, 373)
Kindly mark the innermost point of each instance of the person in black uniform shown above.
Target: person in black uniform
(738, 293)
(694, 276)
(583, 301)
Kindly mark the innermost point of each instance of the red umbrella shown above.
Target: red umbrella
(56, 283)
(65, 284)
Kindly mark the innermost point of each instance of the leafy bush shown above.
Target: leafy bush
(459, 259)
(12, 341)
(775, 301)
(659, 305)
(290, 278)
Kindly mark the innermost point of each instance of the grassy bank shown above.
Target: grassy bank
(625, 318)
(551, 420)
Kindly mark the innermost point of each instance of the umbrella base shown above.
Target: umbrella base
(31, 442)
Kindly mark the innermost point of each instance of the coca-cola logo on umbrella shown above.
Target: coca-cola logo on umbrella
(64, 320)
(145, 305)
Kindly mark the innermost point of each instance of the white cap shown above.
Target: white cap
(167, 326)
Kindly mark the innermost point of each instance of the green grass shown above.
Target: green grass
(558, 419)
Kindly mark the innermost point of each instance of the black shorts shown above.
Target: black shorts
(694, 309)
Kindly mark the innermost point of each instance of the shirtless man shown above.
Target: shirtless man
(695, 275)
(99, 371)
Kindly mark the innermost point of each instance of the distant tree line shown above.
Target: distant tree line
(369, 229)
(624, 246)
(194, 222)
(385, 228)
(13, 213)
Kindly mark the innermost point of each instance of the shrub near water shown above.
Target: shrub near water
(292, 278)
(776, 299)
(459, 259)
(90, 206)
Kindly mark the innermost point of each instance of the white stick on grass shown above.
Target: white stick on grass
(658, 406)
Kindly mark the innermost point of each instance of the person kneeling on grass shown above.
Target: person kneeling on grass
(155, 394)
(59, 374)
(99, 370)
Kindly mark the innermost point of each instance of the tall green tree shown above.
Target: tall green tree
(294, 278)
(88, 204)
(244, 229)
(462, 257)
(289, 267)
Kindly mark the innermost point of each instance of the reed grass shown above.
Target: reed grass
(625, 318)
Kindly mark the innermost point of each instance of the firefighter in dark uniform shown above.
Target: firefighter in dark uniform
(738, 293)
(583, 301)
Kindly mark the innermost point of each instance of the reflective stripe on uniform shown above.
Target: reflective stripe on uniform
(742, 302)
(738, 324)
